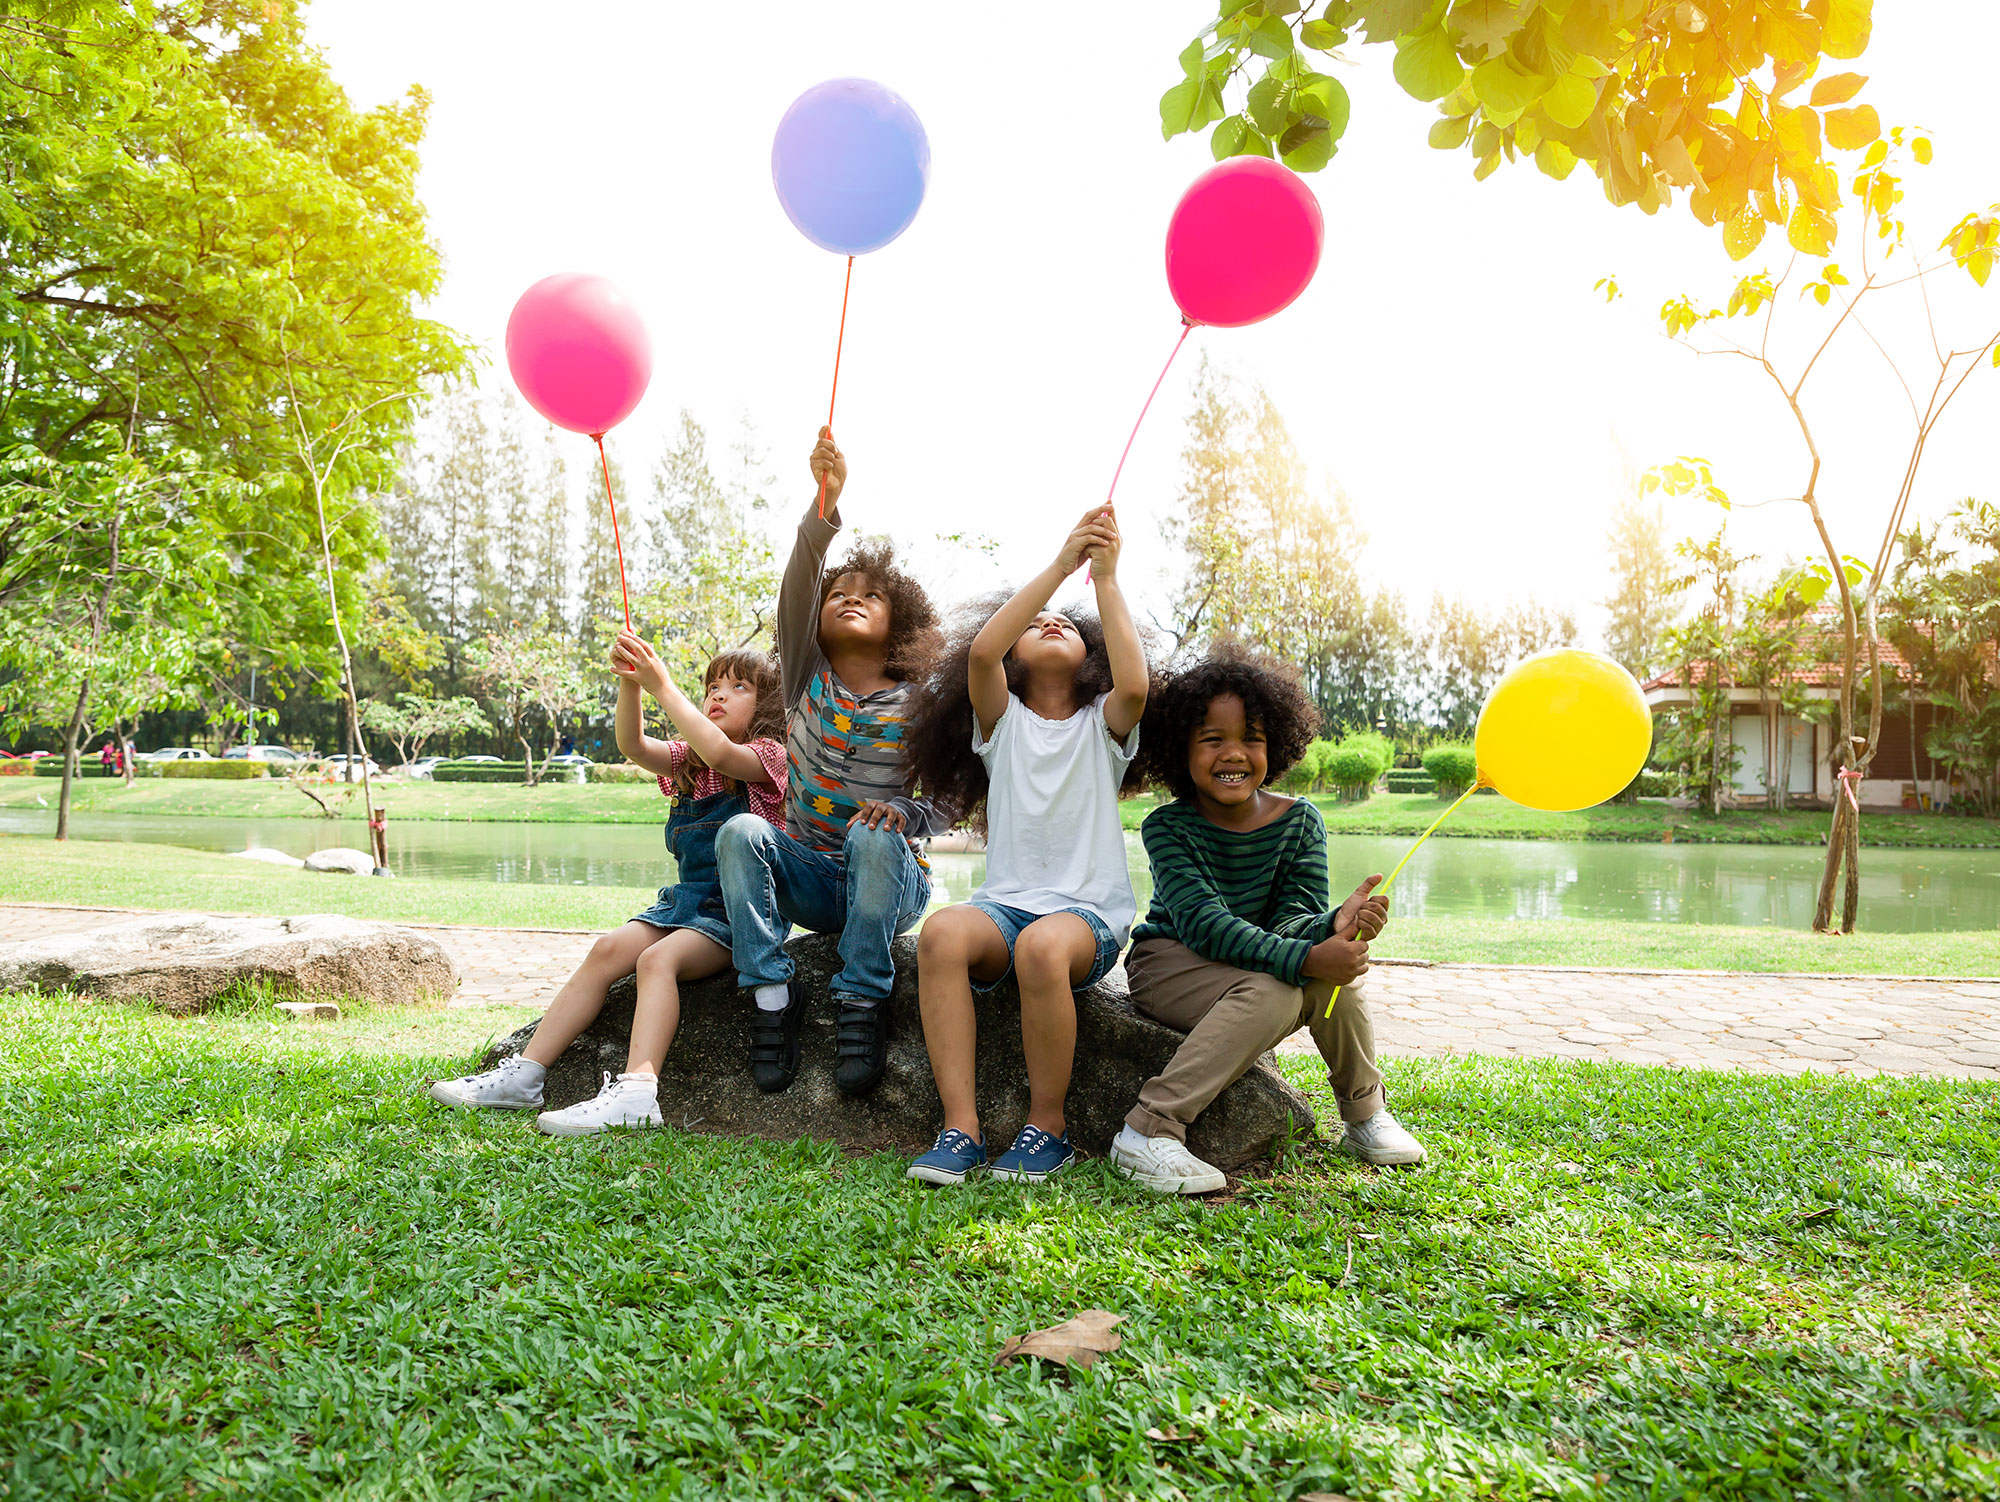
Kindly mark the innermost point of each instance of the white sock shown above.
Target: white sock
(532, 1072)
(1130, 1140)
(774, 998)
(650, 1081)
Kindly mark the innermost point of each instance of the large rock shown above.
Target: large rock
(184, 962)
(706, 1082)
(346, 862)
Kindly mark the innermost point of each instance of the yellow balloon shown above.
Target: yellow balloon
(1562, 730)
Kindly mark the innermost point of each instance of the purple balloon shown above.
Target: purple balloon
(850, 162)
(579, 353)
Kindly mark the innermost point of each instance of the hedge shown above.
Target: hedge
(222, 771)
(51, 766)
(1409, 780)
(1352, 769)
(480, 771)
(1452, 767)
(616, 771)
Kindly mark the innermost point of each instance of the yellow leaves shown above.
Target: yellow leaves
(1743, 233)
(1751, 293)
(1427, 65)
(1850, 130)
(1678, 315)
(1790, 35)
(1449, 134)
(1608, 285)
(1797, 130)
(1570, 101)
(1845, 34)
(1671, 154)
(1555, 159)
(1811, 230)
(1501, 85)
(1972, 243)
(1837, 88)
(1920, 148)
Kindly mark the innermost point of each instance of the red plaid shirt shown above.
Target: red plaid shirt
(767, 799)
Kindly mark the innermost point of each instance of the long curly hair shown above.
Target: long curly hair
(767, 719)
(912, 649)
(1274, 700)
(937, 750)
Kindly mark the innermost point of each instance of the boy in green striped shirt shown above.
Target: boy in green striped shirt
(1239, 948)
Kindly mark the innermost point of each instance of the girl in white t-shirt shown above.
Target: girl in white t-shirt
(1031, 729)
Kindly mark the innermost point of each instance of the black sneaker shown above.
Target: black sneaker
(860, 1047)
(774, 1045)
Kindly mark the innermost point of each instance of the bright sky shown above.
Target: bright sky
(1451, 366)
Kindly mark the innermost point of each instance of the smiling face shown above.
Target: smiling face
(1050, 644)
(854, 613)
(731, 702)
(1227, 760)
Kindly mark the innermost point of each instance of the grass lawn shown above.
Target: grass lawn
(632, 803)
(105, 874)
(238, 1258)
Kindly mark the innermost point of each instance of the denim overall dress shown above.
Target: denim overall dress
(695, 899)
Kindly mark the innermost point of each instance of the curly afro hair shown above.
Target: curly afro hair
(1274, 700)
(767, 720)
(937, 751)
(912, 649)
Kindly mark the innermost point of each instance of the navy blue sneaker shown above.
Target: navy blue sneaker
(951, 1158)
(1034, 1156)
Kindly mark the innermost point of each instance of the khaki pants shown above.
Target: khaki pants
(1232, 1016)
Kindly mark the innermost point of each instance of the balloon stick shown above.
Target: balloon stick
(616, 541)
(834, 395)
(1187, 327)
(1477, 784)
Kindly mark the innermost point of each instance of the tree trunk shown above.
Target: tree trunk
(1850, 901)
(75, 727)
(124, 752)
(1836, 847)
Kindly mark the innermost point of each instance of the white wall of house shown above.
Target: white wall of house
(1751, 733)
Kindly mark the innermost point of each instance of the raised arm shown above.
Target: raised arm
(643, 669)
(1129, 676)
(798, 590)
(986, 680)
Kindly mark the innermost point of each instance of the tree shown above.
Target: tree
(415, 718)
(1654, 97)
(1701, 744)
(528, 674)
(1944, 619)
(1944, 364)
(1640, 607)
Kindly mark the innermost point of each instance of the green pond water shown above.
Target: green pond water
(1910, 891)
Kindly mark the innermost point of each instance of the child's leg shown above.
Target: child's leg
(956, 944)
(1052, 956)
(612, 957)
(887, 891)
(682, 955)
(1230, 1016)
(770, 881)
(1346, 1040)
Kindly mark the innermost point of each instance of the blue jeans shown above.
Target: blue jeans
(870, 892)
(1011, 920)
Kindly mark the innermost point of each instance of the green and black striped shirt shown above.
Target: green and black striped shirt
(1257, 901)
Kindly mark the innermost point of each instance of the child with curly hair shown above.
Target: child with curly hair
(1239, 948)
(729, 762)
(1032, 725)
(852, 642)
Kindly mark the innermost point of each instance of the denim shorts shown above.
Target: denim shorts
(1011, 920)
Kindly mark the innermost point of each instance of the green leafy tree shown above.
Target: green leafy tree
(1655, 98)
(532, 682)
(415, 718)
(1640, 607)
(1700, 744)
(1944, 618)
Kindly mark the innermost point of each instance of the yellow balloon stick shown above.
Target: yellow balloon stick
(1477, 784)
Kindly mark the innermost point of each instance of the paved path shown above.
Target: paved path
(1697, 1019)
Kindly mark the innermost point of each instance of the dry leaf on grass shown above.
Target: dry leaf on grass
(1171, 1435)
(1324, 1497)
(1074, 1342)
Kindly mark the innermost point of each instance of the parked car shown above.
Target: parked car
(173, 753)
(420, 769)
(570, 759)
(336, 766)
(475, 758)
(261, 753)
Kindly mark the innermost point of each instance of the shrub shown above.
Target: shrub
(1379, 748)
(51, 766)
(483, 771)
(1305, 772)
(616, 771)
(221, 771)
(1352, 769)
(1650, 783)
(1452, 767)
(1410, 780)
(17, 769)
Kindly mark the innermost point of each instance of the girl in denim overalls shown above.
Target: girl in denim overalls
(730, 761)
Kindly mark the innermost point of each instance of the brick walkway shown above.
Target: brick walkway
(1696, 1019)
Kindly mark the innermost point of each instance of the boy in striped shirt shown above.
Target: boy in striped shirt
(1239, 947)
(853, 642)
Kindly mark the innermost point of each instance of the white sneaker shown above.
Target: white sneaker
(515, 1085)
(1163, 1163)
(623, 1102)
(1381, 1139)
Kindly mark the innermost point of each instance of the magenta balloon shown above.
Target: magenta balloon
(1243, 243)
(578, 352)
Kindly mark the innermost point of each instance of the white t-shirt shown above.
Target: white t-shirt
(1052, 834)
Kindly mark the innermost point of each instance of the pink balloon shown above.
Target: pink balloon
(1243, 243)
(578, 352)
